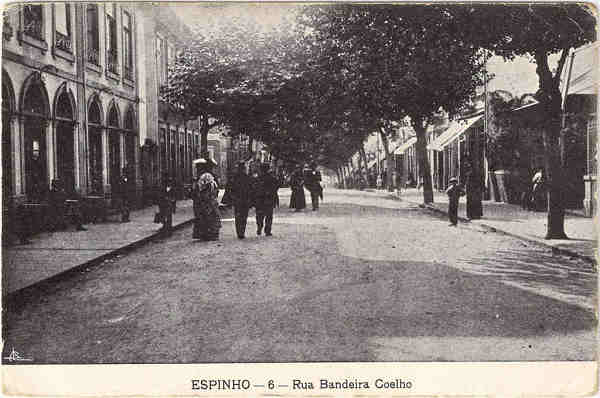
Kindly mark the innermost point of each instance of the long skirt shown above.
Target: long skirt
(207, 220)
(297, 201)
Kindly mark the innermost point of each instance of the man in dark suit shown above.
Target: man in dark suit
(265, 194)
(312, 180)
(241, 198)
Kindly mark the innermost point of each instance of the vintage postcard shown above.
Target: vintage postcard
(299, 199)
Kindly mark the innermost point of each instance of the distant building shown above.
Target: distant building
(169, 143)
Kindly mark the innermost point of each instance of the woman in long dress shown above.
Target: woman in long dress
(297, 201)
(207, 220)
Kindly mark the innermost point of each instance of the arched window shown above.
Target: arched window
(113, 117)
(65, 141)
(64, 110)
(35, 110)
(94, 115)
(114, 147)
(95, 147)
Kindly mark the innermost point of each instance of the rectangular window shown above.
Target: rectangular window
(33, 21)
(62, 18)
(112, 55)
(93, 35)
(127, 47)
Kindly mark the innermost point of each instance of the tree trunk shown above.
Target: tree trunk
(475, 180)
(551, 103)
(204, 137)
(423, 160)
(343, 174)
(389, 183)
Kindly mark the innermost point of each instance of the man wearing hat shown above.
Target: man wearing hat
(312, 180)
(241, 198)
(265, 194)
(454, 192)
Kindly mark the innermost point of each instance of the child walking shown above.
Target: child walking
(454, 192)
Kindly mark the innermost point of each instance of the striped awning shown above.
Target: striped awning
(405, 145)
(455, 129)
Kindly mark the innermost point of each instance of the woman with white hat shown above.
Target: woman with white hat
(207, 220)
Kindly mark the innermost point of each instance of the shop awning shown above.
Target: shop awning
(456, 128)
(405, 145)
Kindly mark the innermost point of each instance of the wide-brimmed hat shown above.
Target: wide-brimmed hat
(453, 179)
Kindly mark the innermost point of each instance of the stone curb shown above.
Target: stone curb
(47, 283)
(555, 250)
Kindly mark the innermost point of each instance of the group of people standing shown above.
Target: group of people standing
(242, 192)
(310, 178)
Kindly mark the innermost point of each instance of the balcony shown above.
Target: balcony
(63, 42)
(112, 62)
(93, 56)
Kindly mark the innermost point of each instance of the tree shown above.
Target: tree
(400, 61)
(227, 77)
(537, 31)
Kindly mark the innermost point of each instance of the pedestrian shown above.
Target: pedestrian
(454, 193)
(166, 205)
(312, 179)
(59, 211)
(241, 198)
(121, 195)
(297, 200)
(207, 220)
(538, 190)
(265, 198)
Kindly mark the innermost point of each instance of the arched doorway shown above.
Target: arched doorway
(130, 141)
(65, 140)
(8, 109)
(35, 110)
(95, 147)
(130, 138)
(114, 147)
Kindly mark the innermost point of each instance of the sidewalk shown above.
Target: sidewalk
(528, 225)
(52, 253)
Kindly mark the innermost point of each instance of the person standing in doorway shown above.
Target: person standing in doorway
(313, 183)
(265, 194)
(241, 198)
(454, 193)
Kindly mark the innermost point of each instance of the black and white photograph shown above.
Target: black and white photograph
(298, 183)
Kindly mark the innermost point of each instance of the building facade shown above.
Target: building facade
(169, 142)
(70, 98)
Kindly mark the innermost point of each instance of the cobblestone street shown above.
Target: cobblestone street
(366, 278)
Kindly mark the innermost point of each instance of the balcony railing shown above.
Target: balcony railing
(33, 28)
(63, 42)
(93, 56)
(112, 62)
